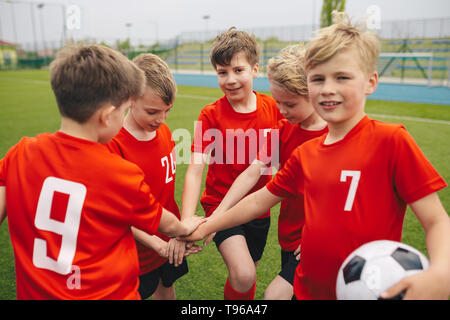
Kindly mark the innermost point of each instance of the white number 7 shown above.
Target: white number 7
(353, 186)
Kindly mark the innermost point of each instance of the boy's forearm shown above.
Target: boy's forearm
(436, 223)
(241, 186)
(170, 225)
(249, 208)
(151, 241)
(2, 203)
(438, 246)
(191, 189)
(190, 196)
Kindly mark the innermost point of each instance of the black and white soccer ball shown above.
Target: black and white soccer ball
(376, 266)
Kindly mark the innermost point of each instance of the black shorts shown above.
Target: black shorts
(255, 233)
(288, 265)
(168, 273)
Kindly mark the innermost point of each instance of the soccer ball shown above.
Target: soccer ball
(376, 266)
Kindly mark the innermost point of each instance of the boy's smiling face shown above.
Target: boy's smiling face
(236, 79)
(339, 86)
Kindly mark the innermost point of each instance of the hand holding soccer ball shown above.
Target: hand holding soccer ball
(376, 267)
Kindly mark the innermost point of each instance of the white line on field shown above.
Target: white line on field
(410, 118)
(212, 99)
(46, 82)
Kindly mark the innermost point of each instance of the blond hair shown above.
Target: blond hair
(158, 76)
(340, 36)
(85, 78)
(288, 69)
(231, 42)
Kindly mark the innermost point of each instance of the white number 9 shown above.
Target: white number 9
(67, 229)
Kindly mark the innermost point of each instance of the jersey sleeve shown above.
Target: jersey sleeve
(289, 181)
(147, 211)
(114, 147)
(414, 176)
(4, 163)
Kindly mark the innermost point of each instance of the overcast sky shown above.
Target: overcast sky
(147, 19)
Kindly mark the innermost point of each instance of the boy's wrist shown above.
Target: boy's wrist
(185, 216)
(185, 229)
(440, 273)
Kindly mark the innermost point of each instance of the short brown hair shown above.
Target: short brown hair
(158, 76)
(340, 36)
(233, 41)
(84, 78)
(287, 69)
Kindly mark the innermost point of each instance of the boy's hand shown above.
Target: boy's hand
(191, 224)
(209, 239)
(161, 248)
(425, 285)
(197, 235)
(192, 248)
(176, 251)
(297, 252)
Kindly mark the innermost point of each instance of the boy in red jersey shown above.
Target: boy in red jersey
(70, 202)
(357, 180)
(232, 129)
(287, 78)
(147, 141)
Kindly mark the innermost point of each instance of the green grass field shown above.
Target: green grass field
(28, 107)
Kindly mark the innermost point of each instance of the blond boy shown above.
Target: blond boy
(357, 180)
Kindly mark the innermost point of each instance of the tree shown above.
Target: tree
(123, 45)
(326, 17)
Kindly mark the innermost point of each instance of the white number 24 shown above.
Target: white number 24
(67, 229)
(355, 175)
(170, 167)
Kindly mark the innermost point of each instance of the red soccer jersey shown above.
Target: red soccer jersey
(157, 159)
(356, 190)
(234, 140)
(292, 216)
(70, 204)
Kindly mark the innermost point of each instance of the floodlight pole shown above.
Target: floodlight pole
(128, 25)
(40, 7)
(33, 27)
(13, 17)
(206, 18)
(155, 23)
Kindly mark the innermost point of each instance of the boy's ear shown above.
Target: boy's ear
(255, 69)
(105, 114)
(372, 83)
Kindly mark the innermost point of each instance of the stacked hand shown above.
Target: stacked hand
(192, 223)
(177, 249)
